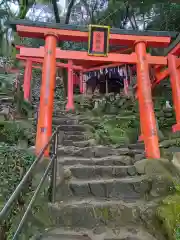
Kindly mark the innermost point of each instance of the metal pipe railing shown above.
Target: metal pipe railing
(51, 166)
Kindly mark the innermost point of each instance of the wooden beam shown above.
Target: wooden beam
(79, 55)
(80, 36)
(102, 67)
(40, 60)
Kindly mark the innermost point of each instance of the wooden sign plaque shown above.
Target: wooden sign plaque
(98, 44)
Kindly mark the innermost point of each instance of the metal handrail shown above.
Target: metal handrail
(51, 166)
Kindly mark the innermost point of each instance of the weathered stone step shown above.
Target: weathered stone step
(6, 99)
(91, 213)
(105, 161)
(80, 144)
(64, 121)
(55, 235)
(2, 94)
(74, 138)
(138, 145)
(63, 113)
(115, 188)
(71, 128)
(95, 151)
(128, 188)
(74, 132)
(89, 172)
(131, 232)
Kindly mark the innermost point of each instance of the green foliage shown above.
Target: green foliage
(167, 17)
(13, 164)
(169, 215)
(12, 132)
(112, 118)
(23, 107)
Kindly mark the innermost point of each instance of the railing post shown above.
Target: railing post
(54, 169)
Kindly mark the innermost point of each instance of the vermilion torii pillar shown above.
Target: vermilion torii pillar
(81, 85)
(70, 102)
(147, 116)
(175, 84)
(44, 128)
(27, 80)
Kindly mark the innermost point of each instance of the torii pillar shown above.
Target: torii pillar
(44, 127)
(175, 84)
(147, 116)
(70, 101)
(81, 82)
(27, 80)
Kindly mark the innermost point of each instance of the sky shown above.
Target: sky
(40, 10)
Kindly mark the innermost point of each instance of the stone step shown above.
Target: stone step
(2, 94)
(138, 145)
(74, 132)
(72, 128)
(91, 213)
(95, 151)
(88, 172)
(64, 113)
(74, 138)
(80, 144)
(57, 234)
(131, 232)
(64, 121)
(129, 188)
(105, 161)
(6, 99)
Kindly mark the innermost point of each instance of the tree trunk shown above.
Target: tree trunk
(68, 14)
(56, 11)
(23, 9)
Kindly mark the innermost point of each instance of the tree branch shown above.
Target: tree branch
(56, 11)
(69, 10)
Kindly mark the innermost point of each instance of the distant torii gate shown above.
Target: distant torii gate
(53, 34)
(28, 63)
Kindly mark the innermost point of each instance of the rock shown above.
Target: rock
(139, 157)
(22, 144)
(169, 142)
(176, 160)
(154, 167)
(67, 174)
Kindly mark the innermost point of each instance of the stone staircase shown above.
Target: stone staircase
(102, 194)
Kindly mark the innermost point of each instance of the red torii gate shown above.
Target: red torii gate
(28, 63)
(142, 60)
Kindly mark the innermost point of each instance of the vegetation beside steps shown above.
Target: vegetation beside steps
(169, 214)
(15, 158)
